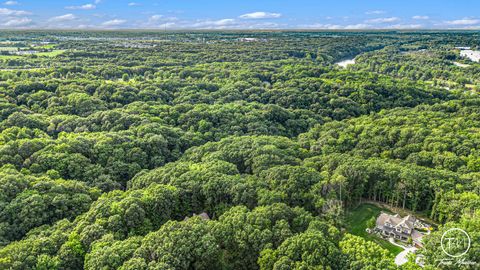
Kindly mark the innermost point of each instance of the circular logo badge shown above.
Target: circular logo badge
(455, 242)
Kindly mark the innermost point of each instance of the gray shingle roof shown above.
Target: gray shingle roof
(396, 220)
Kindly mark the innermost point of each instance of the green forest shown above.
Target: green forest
(233, 149)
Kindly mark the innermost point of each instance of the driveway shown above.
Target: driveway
(402, 256)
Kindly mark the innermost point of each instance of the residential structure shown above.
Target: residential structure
(203, 216)
(400, 228)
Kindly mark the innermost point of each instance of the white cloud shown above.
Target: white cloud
(155, 17)
(337, 26)
(226, 24)
(322, 26)
(405, 26)
(464, 21)
(376, 12)
(264, 25)
(260, 15)
(133, 4)
(97, 1)
(17, 22)
(115, 22)
(161, 18)
(420, 17)
(82, 7)
(12, 12)
(63, 18)
(85, 26)
(168, 25)
(10, 3)
(158, 21)
(214, 23)
(358, 26)
(383, 20)
(472, 27)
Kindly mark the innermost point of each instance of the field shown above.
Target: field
(51, 54)
(5, 57)
(356, 223)
(8, 49)
(47, 46)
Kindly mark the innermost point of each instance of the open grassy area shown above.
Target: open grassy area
(51, 54)
(47, 46)
(10, 56)
(356, 223)
(40, 54)
(8, 49)
(23, 69)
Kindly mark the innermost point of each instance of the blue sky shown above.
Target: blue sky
(240, 14)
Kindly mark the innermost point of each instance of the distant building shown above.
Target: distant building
(29, 52)
(472, 55)
(400, 228)
(252, 39)
(248, 39)
(203, 216)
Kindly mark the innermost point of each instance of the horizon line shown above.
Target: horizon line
(241, 29)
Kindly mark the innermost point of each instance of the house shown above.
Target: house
(28, 52)
(400, 228)
(203, 216)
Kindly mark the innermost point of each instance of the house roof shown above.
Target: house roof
(405, 224)
(417, 236)
(203, 216)
(410, 218)
(395, 232)
(396, 220)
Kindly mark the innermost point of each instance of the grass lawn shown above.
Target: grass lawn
(13, 69)
(41, 54)
(8, 49)
(356, 223)
(51, 54)
(48, 46)
(10, 56)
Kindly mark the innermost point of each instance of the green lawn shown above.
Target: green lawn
(356, 223)
(48, 46)
(41, 54)
(9, 56)
(51, 54)
(8, 49)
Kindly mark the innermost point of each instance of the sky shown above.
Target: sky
(240, 14)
